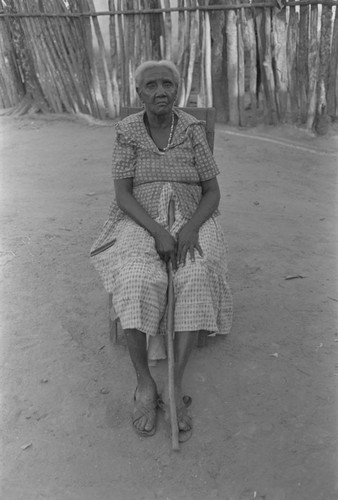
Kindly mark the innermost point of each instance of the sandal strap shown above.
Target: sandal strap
(144, 410)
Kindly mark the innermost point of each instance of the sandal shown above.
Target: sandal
(144, 410)
(182, 414)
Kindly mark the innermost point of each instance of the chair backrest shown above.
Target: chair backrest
(206, 114)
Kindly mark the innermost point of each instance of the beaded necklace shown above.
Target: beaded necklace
(162, 151)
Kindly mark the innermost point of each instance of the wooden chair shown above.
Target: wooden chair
(208, 115)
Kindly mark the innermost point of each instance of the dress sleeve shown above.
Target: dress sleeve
(204, 160)
(123, 158)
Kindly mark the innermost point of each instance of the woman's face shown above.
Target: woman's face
(158, 90)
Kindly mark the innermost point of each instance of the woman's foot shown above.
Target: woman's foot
(184, 420)
(145, 409)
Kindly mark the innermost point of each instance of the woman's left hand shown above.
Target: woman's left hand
(187, 241)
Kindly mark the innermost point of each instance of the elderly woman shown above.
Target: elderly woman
(162, 153)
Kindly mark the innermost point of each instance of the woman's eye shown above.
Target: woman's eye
(167, 84)
(151, 86)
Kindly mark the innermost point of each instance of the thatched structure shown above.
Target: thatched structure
(272, 60)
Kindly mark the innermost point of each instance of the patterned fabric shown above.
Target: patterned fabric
(187, 162)
(130, 268)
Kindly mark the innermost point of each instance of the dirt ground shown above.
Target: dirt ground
(264, 399)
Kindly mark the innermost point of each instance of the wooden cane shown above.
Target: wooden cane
(170, 342)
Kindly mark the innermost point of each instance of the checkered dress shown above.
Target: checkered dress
(125, 254)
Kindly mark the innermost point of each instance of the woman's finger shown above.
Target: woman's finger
(199, 249)
(192, 253)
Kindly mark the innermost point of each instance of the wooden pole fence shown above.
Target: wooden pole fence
(330, 3)
(272, 61)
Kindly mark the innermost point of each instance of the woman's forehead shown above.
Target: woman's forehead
(157, 73)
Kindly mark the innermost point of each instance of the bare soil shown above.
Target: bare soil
(264, 399)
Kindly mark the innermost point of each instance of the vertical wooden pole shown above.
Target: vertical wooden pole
(86, 34)
(155, 30)
(241, 69)
(291, 48)
(313, 66)
(11, 86)
(182, 34)
(324, 55)
(123, 52)
(280, 57)
(262, 89)
(219, 64)
(332, 91)
(183, 61)
(114, 58)
(102, 52)
(251, 45)
(201, 97)
(145, 34)
(194, 32)
(208, 61)
(167, 31)
(268, 72)
(302, 60)
(232, 66)
(322, 118)
(138, 46)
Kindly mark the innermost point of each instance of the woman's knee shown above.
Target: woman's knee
(194, 272)
(141, 275)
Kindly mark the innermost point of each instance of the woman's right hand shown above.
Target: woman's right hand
(165, 245)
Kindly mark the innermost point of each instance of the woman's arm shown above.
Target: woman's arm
(188, 235)
(164, 242)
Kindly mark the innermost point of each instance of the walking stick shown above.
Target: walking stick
(170, 342)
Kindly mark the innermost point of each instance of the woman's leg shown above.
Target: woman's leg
(146, 392)
(183, 346)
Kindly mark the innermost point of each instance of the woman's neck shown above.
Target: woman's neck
(159, 121)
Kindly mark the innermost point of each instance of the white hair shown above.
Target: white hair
(155, 64)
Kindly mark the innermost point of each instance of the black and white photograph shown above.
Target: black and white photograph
(169, 249)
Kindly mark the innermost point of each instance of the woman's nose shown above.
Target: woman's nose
(160, 89)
